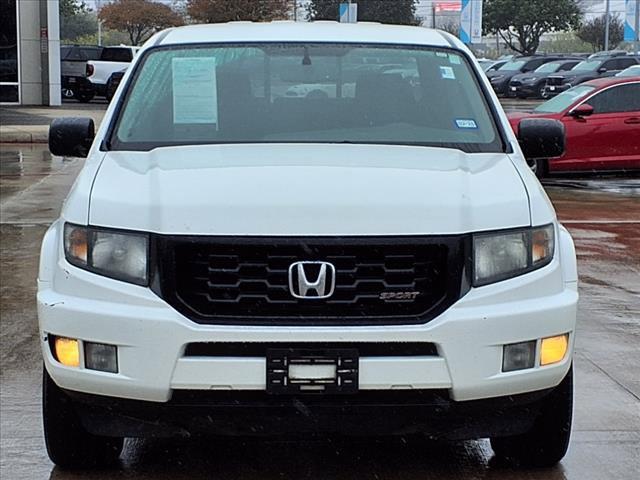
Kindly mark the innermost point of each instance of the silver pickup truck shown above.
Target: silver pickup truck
(73, 69)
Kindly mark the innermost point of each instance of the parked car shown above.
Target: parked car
(235, 261)
(590, 69)
(492, 65)
(608, 54)
(501, 77)
(112, 59)
(533, 84)
(632, 71)
(73, 65)
(602, 123)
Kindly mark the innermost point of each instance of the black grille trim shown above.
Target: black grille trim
(183, 276)
(259, 349)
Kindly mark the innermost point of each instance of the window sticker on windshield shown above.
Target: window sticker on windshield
(442, 54)
(466, 123)
(195, 98)
(447, 72)
(455, 59)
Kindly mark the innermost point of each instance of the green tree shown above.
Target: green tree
(76, 20)
(139, 18)
(522, 23)
(69, 8)
(216, 11)
(592, 32)
(399, 12)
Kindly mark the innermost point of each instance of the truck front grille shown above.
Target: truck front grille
(246, 280)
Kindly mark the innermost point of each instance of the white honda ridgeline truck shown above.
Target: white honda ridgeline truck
(371, 257)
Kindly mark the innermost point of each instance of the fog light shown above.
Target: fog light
(66, 351)
(553, 349)
(98, 356)
(518, 356)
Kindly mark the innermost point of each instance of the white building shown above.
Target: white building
(30, 52)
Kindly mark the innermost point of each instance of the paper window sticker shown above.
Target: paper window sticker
(447, 72)
(195, 93)
(467, 123)
(455, 59)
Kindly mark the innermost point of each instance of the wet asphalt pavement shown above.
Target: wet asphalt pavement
(603, 214)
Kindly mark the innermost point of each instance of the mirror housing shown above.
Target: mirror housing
(602, 70)
(582, 110)
(71, 136)
(541, 138)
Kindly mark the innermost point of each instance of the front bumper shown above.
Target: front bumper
(522, 90)
(500, 86)
(553, 90)
(255, 413)
(152, 337)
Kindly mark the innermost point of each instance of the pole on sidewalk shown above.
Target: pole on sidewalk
(607, 16)
(637, 42)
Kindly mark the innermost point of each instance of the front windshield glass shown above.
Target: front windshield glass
(587, 65)
(294, 92)
(548, 67)
(511, 66)
(562, 101)
(630, 72)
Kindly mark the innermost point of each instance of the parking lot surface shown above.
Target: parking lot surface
(603, 214)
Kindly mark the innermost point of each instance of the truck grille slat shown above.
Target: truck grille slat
(246, 280)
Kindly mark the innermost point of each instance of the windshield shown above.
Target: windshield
(548, 67)
(511, 66)
(562, 101)
(284, 93)
(587, 65)
(630, 72)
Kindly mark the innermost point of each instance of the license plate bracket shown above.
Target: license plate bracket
(302, 371)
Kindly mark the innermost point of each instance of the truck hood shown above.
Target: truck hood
(308, 190)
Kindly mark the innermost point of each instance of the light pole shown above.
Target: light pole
(637, 28)
(98, 7)
(606, 26)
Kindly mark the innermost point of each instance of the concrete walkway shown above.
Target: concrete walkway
(31, 124)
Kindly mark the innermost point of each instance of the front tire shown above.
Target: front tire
(539, 166)
(85, 97)
(69, 445)
(547, 441)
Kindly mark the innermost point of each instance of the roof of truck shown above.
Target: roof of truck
(320, 31)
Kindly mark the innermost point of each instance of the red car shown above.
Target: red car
(602, 122)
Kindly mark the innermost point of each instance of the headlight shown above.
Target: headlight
(112, 253)
(497, 77)
(530, 79)
(501, 255)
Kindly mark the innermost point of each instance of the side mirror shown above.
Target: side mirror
(602, 70)
(71, 136)
(541, 138)
(582, 110)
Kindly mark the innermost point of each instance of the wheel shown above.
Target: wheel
(541, 91)
(539, 166)
(547, 441)
(85, 97)
(69, 445)
(68, 93)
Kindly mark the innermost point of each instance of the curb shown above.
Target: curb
(23, 136)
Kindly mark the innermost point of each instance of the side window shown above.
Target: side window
(625, 62)
(532, 65)
(610, 65)
(568, 66)
(622, 98)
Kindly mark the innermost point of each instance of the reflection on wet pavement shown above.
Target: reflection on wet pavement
(605, 221)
